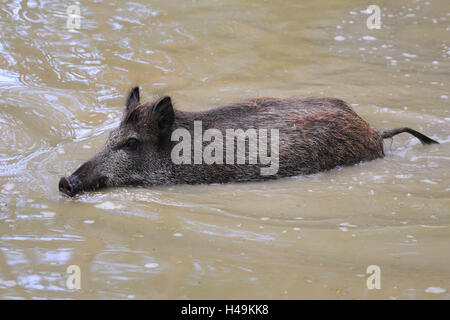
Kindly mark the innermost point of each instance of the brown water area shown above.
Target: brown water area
(305, 237)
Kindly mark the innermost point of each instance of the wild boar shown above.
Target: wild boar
(307, 135)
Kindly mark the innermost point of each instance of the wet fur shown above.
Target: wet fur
(316, 134)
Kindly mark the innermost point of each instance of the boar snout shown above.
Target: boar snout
(68, 185)
(82, 180)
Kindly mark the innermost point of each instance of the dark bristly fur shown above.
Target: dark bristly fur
(315, 134)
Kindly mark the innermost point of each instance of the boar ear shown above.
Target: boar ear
(163, 116)
(133, 98)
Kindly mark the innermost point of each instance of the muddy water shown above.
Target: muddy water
(301, 237)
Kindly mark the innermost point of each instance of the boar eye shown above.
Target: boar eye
(131, 143)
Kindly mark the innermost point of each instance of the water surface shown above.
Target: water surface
(62, 91)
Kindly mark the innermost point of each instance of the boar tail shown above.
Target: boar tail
(423, 138)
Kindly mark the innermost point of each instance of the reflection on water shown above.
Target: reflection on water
(61, 91)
